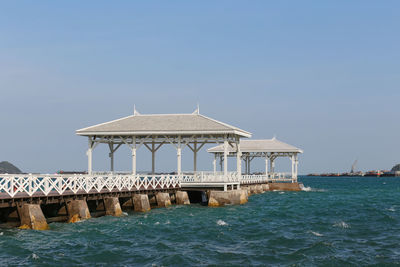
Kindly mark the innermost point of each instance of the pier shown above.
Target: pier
(33, 200)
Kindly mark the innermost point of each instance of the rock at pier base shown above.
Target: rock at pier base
(265, 187)
(112, 206)
(182, 198)
(141, 202)
(284, 186)
(77, 210)
(233, 197)
(256, 189)
(32, 217)
(163, 200)
(248, 189)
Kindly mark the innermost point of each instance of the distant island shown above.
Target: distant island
(7, 167)
(395, 172)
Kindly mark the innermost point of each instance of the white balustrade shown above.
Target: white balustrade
(58, 184)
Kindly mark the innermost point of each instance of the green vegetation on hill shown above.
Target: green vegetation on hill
(396, 168)
(7, 167)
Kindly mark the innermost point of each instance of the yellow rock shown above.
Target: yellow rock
(75, 218)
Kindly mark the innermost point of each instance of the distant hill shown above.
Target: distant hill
(7, 167)
(396, 168)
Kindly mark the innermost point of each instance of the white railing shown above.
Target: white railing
(59, 184)
(281, 177)
(262, 178)
(211, 177)
(253, 179)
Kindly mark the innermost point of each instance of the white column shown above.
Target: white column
(272, 167)
(266, 165)
(220, 163)
(292, 159)
(134, 155)
(179, 156)
(245, 164)
(195, 156)
(239, 159)
(296, 166)
(89, 154)
(111, 155)
(225, 157)
(153, 158)
(215, 163)
(112, 161)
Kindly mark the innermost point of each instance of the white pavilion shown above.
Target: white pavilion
(267, 149)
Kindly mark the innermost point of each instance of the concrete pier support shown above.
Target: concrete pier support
(182, 198)
(141, 202)
(265, 187)
(77, 210)
(259, 189)
(248, 189)
(112, 206)
(233, 197)
(256, 189)
(284, 186)
(163, 200)
(31, 217)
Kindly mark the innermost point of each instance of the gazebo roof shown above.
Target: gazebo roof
(162, 124)
(264, 145)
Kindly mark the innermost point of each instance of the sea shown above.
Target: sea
(334, 222)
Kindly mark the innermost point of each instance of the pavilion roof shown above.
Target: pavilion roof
(163, 124)
(263, 145)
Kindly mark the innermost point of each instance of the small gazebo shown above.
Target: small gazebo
(154, 130)
(269, 149)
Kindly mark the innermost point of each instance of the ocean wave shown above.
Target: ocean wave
(125, 213)
(310, 189)
(221, 222)
(391, 209)
(1, 233)
(316, 233)
(341, 224)
(34, 256)
(156, 223)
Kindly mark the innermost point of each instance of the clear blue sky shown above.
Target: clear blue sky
(321, 75)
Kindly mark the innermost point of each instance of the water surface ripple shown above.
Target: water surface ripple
(339, 221)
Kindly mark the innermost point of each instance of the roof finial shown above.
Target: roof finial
(135, 112)
(197, 111)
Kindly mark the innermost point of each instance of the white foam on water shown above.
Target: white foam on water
(34, 256)
(341, 224)
(391, 209)
(281, 192)
(309, 189)
(1, 233)
(167, 222)
(316, 233)
(125, 213)
(306, 188)
(157, 223)
(221, 222)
